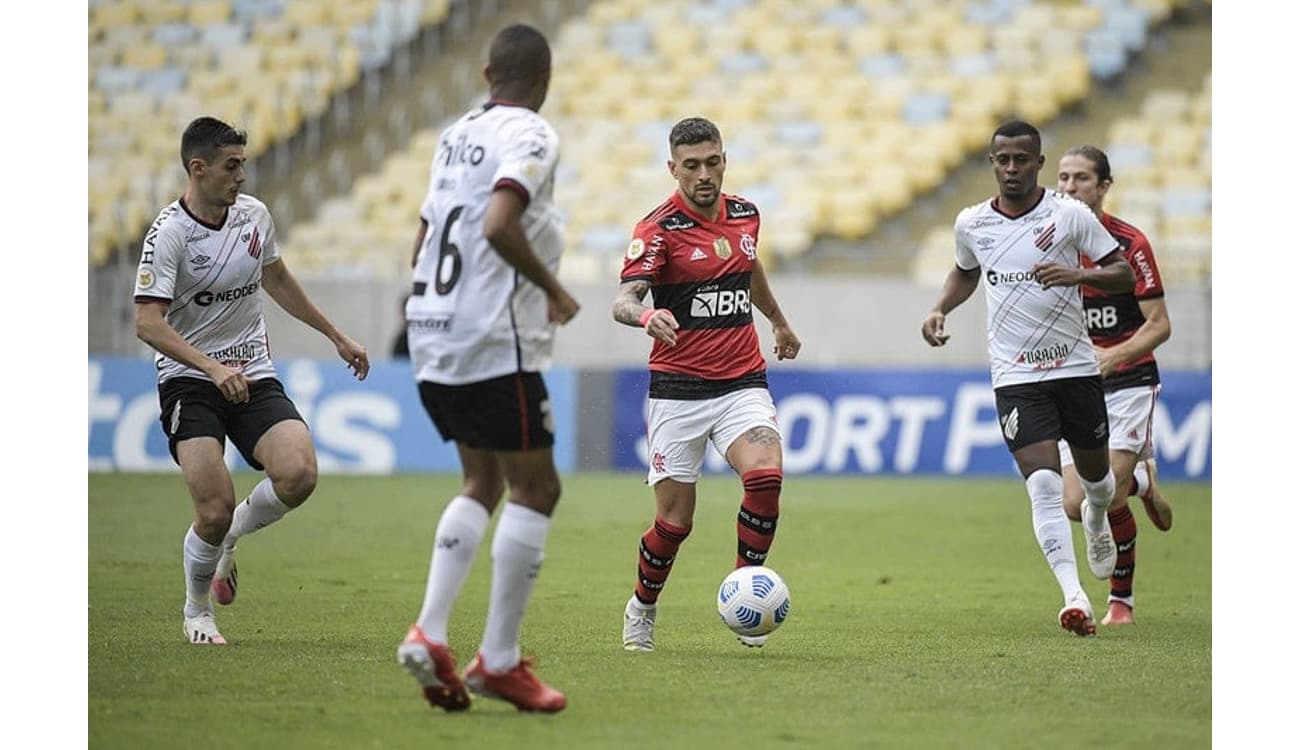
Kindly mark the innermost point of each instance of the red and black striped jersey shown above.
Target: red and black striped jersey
(1114, 318)
(700, 270)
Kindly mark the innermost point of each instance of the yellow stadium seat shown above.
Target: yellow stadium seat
(1036, 98)
(144, 56)
(1178, 145)
(865, 40)
(156, 12)
(1035, 18)
(209, 12)
(1166, 105)
(1158, 10)
(301, 13)
(115, 14)
(816, 38)
(914, 40)
(1079, 18)
(773, 41)
(965, 40)
(435, 12)
(358, 12)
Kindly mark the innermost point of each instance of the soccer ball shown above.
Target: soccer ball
(753, 600)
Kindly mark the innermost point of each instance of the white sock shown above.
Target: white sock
(460, 529)
(517, 552)
(1098, 495)
(200, 563)
(1143, 479)
(260, 508)
(1052, 529)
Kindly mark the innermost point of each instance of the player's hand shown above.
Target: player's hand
(787, 344)
(561, 307)
(354, 355)
(661, 325)
(932, 329)
(1107, 360)
(232, 383)
(1055, 274)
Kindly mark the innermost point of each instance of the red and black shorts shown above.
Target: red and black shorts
(509, 413)
(194, 407)
(1073, 409)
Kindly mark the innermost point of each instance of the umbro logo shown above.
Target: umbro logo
(448, 542)
(698, 254)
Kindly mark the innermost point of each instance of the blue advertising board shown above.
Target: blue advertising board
(376, 426)
(921, 422)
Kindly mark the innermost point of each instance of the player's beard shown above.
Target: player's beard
(710, 198)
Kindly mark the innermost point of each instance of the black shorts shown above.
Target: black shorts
(193, 407)
(1069, 408)
(509, 413)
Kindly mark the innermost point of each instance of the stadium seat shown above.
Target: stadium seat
(209, 12)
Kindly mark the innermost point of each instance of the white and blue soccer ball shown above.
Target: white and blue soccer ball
(753, 600)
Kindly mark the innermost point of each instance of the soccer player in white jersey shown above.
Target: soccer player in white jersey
(1028, 244)
(198, 304)
(481, 320)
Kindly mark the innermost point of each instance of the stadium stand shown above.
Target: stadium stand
(838, 114)
(266, 65)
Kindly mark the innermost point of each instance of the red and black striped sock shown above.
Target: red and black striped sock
(655, 561)
(1124, 527)
(756, 521)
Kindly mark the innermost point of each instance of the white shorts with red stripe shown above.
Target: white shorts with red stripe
(1130, 411)
(680, 431)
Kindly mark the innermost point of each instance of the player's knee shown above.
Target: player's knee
(539, 493)
(212, 519)
(295, 483)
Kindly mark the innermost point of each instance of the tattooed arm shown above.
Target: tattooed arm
(629, 310)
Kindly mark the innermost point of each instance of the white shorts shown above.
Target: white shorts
(1130, 411)
(679, 431)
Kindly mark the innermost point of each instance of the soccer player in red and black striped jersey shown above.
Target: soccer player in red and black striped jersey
(1125, 330)
(697, 254)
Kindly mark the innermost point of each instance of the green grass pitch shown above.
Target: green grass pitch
(923, 616)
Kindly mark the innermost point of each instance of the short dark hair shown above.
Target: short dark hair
(205, 136)
(1016, 129)
(693, 130)
(1100, 162)
(518, 52)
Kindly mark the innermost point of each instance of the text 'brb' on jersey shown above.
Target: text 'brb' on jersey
(471, 316)
(1114, 318)
(700, 270)
(209, 276)
(1034, 333)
